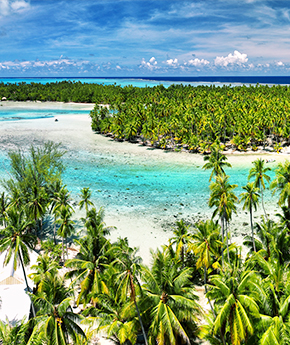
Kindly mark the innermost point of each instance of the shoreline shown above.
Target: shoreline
(76, 136)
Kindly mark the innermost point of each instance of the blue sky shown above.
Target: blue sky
(144, 38)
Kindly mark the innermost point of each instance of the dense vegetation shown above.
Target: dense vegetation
(177, 117)
(195, 118)
(249, 298)
(67, 91)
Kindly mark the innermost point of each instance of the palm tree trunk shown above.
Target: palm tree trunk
(62, 250)
(141, 323)
(251, 218)
(27, 286)
(228, 254)
(205, 288)
(262, 199)
(54, 230)
(136, 306)
(222, 223)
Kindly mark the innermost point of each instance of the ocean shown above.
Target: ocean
(166, 81)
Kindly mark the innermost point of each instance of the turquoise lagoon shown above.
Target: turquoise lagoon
(125, 184)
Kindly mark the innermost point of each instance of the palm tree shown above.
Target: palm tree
(258, 172)
(250, 198)
(53, 191)
(273, 292)
(180, 239)
(36, 204)
(17, 241)
(85, 199)
(93, 256)
(20, 334)
(55, 315)
(66, 227)
(88, 266)
(3, 209)
(236, 309)
(114, 315)
(44, 266)
(128, 266)
(206, 244)
(281, 183)
(224, 199)
(216, 161)
(62, 198)
(272, 241)
(94, 223)
(170, 301)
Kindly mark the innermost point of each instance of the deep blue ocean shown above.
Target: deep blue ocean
(166, 81)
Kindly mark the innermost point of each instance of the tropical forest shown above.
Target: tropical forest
(180, 117)
(106, 289)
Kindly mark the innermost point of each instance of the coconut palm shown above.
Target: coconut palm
(88, 266)
(85, 199)
(128, 268)
(115, 316)
(55, 315)
(93, 256)
(281, 183)
(180, 239)
(36, 204)
(259, 173)
(272, 241)
(53, 191)
(20, 334)
(94, 223)
(274, 300)
(62, 198)
(216, 161)
(224, 199)
(44, 266)
(206, 243)
(170, 301)
(17, 241)
(250, 198)
(66, 225)
(4, 203)
(236, 310)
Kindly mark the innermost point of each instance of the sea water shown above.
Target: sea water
(125, 183)
(159, 190)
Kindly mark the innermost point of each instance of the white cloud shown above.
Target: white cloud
(12, 6)
(279, 64)
(232, 59)
(19, 5)
(172, 62)
(151, 64)
(197, 62)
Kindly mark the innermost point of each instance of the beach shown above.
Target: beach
(144, 228)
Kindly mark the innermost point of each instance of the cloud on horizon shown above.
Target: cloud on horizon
(234, 62)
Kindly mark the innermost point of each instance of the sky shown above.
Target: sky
(99, 38)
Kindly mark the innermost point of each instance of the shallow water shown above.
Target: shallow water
(130, 184)
(10, 114)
